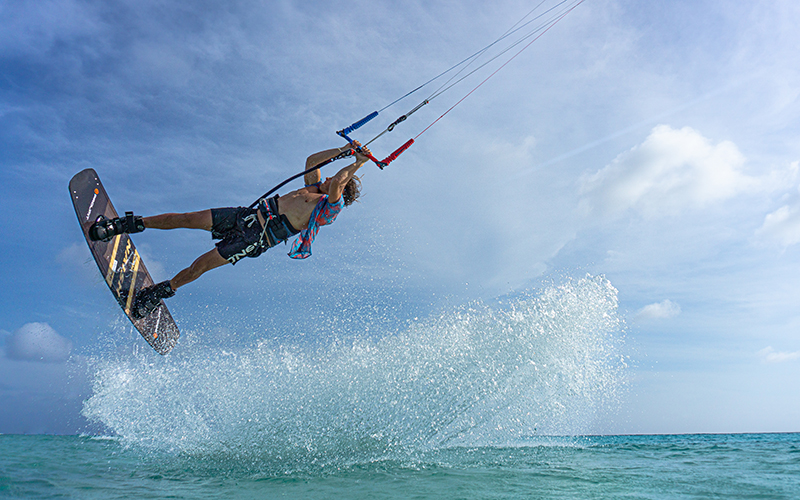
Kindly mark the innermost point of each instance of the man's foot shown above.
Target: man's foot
(104, 229)
(148, 299)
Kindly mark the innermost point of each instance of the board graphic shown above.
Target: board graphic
(119, 262)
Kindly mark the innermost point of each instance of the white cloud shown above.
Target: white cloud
(769, 355)
(782, 225)
(659, 310)
(37, 342)
(670, 171)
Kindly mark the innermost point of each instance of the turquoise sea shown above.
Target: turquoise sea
(482, 401)
(746, 466)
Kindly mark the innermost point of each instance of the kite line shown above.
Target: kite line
(525, 31)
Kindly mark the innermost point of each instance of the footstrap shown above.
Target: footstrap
(130, 222)
(133, 223)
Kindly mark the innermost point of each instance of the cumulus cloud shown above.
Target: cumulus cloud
(670, 171)
(659, 310)
(769, 355)
(37, 342)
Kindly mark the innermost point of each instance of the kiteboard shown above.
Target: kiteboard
(120, 263)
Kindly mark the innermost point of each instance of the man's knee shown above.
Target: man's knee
(208, 261)
(201, 219)
(199, 266)
(205, 262)
(194, 220)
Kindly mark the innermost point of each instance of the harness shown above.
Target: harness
(277, 227)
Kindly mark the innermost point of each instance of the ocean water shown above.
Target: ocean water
(478, 402)
(745, 466)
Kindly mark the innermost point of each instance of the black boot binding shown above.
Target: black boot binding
(148, 299)
(104, 229)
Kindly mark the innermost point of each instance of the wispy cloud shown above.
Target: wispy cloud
(770, 355)
(659, 310)
(782, 225)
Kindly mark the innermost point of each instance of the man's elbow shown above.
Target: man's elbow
(336, 189)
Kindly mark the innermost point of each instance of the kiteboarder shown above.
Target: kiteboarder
(248, 232)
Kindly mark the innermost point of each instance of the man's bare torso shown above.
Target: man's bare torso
(298, 206)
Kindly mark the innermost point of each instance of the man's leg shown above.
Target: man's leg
(148, 299)
(191, 220)
(105, 229)
(206, 262)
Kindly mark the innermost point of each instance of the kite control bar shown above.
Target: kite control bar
(380, 163)
(350, 152)
(377, 162)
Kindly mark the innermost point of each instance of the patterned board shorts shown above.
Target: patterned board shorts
(240, 233)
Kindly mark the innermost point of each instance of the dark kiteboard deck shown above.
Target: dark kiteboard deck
(119, 262)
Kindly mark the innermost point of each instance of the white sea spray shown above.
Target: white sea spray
(543, 364)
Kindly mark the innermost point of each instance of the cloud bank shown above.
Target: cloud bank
(38, 342)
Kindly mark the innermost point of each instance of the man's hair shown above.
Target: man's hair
(352, 190)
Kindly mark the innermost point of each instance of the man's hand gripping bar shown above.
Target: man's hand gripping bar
(380, 163)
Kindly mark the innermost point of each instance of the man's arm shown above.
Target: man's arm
(317, 158)
(343, 176)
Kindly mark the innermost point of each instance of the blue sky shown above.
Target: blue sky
(654, 143)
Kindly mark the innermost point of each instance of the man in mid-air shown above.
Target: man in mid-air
(247, 232)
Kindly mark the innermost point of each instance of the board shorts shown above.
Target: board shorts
(241, 233)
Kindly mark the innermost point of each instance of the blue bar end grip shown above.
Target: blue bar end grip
(358, 124)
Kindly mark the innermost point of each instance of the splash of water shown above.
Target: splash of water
(542, 364)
